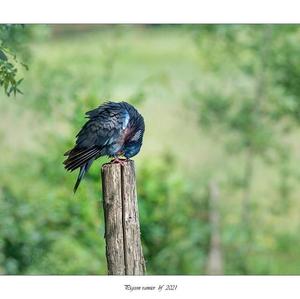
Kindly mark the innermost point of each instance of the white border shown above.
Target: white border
(150, 11)
(95, 287)
(154, 11)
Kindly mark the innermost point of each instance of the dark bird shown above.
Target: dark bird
(113, 130)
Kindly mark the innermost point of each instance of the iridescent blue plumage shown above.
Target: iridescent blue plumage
(113, 129)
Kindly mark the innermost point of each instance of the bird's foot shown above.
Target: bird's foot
(118, 161)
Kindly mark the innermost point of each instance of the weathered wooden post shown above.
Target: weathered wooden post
(122, 229)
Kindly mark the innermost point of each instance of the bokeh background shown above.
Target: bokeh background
(218, 174)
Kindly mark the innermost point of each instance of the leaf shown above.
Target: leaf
(19, 91)
(25, 66)
(10, 90)
(3, 56)
(19, 81)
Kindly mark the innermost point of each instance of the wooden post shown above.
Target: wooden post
(122, 229)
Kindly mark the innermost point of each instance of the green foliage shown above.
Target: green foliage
(214, 108)
(8, 74)
(256, 107)
(12, 41)
(43, 233)
(173, 221)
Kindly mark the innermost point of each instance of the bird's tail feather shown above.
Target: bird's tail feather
(81, 160)
(83, 169)
(78, 158)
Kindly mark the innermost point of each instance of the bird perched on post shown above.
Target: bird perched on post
(114, 130)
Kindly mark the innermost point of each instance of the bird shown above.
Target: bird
(114, 129)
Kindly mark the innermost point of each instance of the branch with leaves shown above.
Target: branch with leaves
(9, 79)
(8, 74)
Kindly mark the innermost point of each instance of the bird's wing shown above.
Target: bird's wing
(105, 122)
(137, 128)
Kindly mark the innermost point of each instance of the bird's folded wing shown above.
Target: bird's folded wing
(102, 126)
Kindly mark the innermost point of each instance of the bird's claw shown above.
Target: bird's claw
(118, 161)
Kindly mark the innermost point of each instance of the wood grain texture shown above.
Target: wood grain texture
(134, 260)
(122, 229)
(112, 205)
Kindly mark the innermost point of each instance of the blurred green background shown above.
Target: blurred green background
(218, 174)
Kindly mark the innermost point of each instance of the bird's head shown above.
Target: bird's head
(131, 149)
